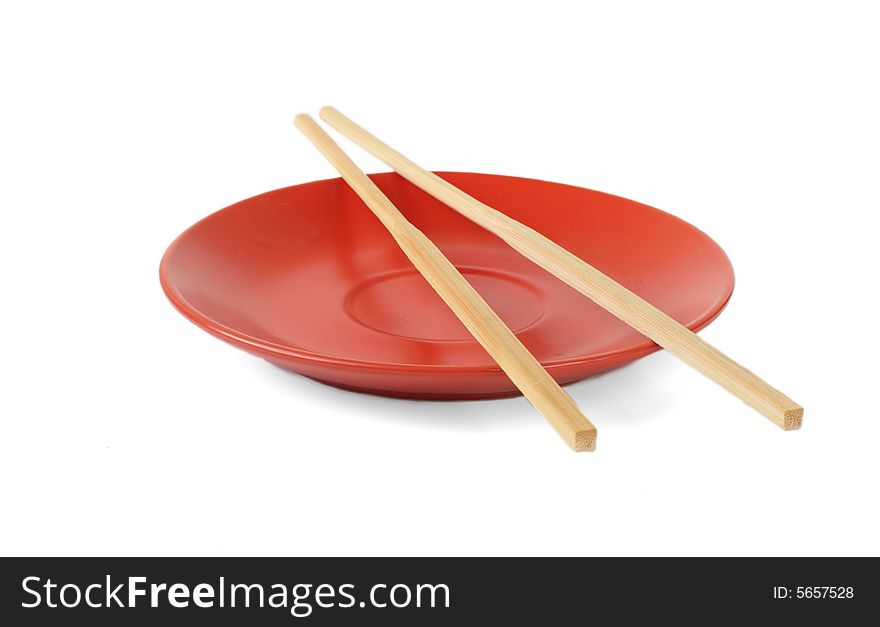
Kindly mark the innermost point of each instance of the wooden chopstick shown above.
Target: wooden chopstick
(483, 323)
(632, 309)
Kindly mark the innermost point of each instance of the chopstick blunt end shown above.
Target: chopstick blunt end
(585, 440)
(793, 419)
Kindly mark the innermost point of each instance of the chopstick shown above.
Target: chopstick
(476, 315)
(603, 290)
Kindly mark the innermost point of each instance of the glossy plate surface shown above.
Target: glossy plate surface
(309, 279)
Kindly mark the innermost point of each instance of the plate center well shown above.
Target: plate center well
(403, 304)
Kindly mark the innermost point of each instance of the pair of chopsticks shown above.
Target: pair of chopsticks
(485, 325)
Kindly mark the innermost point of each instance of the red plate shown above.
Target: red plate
(308, 278)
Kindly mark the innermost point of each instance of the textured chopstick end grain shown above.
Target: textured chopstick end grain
(585, 440)
(792, 419)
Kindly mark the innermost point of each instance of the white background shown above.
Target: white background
(127, 430)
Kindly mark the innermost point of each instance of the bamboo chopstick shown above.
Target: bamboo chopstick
(483, 323)
(632, 309)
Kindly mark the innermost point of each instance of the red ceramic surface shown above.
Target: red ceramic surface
(308, 278)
